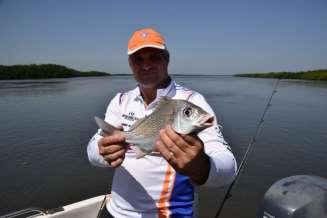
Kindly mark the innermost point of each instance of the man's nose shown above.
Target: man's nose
(146, 65)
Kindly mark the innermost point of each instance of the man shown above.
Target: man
(160, 184)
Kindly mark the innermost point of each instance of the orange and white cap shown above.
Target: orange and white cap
(144, 38)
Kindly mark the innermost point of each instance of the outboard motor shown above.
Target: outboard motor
(300, 196)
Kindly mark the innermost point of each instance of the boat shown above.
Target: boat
(83, 209)
(299, 196)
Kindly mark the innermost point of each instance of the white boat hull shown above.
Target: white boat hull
(82, 209)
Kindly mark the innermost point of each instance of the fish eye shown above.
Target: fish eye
(187, 111)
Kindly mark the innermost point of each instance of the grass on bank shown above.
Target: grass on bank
(43, 71)
(305, 75)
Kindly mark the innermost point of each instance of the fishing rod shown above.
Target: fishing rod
(102, 206)
(250, 145)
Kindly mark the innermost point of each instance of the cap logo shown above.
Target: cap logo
(144, 34)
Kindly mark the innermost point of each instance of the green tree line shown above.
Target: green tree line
(305, 75)
(42, 71)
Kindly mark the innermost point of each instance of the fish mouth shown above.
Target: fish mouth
(207, 121)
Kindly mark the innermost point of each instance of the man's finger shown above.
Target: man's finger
(104, 150)
(190, 139)
(115, 148)
(117, 162)
(172, 147)
(113, 139)
(165, 152)
(115, 155)
(176, 138)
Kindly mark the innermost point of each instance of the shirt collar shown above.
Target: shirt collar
(167, 91)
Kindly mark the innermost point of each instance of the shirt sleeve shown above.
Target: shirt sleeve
(223, 165)
(113, 117)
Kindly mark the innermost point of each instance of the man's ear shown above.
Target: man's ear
(129, 61)
(167, 56)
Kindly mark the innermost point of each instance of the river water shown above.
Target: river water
(45, 126)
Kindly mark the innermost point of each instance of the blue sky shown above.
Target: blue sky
(204, 37)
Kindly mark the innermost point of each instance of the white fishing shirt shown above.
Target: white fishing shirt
(149, 186)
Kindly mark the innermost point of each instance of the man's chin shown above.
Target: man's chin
(149, 80)
(153, 80)
(149, 85)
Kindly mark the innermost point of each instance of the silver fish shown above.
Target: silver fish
(184, 116)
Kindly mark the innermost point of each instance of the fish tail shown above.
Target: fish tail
(106, 127)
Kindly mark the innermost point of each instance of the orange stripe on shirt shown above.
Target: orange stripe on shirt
(163, 203)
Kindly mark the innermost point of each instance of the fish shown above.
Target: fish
(184, 117)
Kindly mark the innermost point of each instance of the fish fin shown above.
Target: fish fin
(138, 140)
(164, 98)
(141, 152)
(162, 104)
(162, 101)
(105, 127)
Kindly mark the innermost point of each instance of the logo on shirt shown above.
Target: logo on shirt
(130, 116)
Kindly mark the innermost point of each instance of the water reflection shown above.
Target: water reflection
(32, 87)
(46, 124)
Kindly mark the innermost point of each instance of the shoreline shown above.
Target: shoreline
(44, 71)
(318, 75)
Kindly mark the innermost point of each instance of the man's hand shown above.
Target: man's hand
(113, 149)
(185, 153)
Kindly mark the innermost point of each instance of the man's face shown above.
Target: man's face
(149, 66)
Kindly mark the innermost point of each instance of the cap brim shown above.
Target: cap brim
(129, 52)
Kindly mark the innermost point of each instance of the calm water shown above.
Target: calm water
(45, 126)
